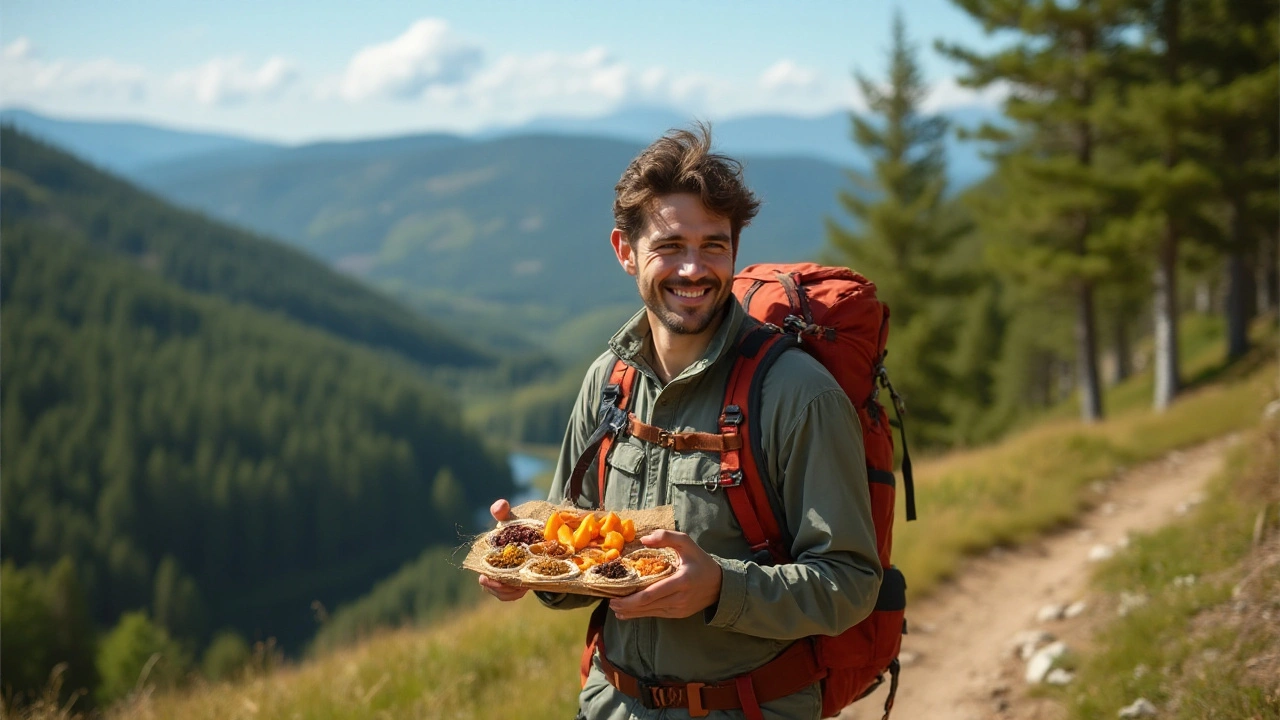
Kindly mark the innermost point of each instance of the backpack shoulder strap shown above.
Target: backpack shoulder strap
(741, 475)
(614, 398)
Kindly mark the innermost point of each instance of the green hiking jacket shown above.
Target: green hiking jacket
(813, 449)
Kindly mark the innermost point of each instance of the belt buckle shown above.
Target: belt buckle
(656, 696)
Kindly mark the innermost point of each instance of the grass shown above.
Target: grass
(1208, 647)
(521, 659)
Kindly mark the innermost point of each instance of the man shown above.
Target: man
(679, 211)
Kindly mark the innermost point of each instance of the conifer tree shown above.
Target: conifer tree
(903, 234)
(1048, 228)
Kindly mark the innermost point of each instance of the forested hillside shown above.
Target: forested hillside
(194, 455)
(45, 186)
(507, 237)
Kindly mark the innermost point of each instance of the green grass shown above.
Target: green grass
(521, 659)
(1189, 649)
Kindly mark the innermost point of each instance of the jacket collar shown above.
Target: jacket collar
(632, 341)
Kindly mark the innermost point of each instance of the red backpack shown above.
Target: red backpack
(832, 313)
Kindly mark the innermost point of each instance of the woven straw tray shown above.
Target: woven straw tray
(646, 521)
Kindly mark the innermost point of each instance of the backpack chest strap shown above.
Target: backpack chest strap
(684, 441)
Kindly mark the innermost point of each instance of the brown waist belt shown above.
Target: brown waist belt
(789, 673)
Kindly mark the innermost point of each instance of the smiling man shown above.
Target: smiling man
(717, 638)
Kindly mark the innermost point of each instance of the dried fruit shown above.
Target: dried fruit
(614, 570)
(552, 549)
(519, 533)
(628, 530)
(650, 565)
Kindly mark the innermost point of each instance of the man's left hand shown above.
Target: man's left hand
(693, 587)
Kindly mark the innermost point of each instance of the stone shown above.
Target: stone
(1049, 613)
(1098, 553)
(1140, 708)
(1075, 609)
(1026, 643)
(1108, 508)
(907, 657)
(1058, 676)
(1042, 662)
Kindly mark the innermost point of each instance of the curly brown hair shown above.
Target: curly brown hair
(682, 162)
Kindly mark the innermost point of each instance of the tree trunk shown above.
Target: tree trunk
(1237, 310)
(1265, 276)
(1087, 354)
(1124, 354)
(1237, 279)
(1166, 320)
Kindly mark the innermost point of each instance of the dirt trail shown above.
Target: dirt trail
(959, 654)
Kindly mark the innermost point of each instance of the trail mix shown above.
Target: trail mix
(548, 568)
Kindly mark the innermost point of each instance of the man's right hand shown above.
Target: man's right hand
(501, 510)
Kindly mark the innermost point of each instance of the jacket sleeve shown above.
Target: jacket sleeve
(822, 480)
(582, 422)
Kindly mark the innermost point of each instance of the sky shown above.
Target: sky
(298, 71)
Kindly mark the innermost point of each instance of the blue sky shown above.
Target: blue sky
(295, 71)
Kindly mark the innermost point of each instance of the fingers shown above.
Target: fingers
(678, 541)
(500, 509)
(505, 593)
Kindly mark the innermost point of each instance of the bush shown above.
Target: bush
(136, 654)
(226, 657)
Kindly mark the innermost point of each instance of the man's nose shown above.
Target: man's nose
(692, 267)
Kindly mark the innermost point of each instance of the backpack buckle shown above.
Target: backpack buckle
(666, 440)
(732, 415)
(730, 478)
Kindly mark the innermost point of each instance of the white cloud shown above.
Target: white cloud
(787, 76)
(426, 55)
(226, 81)
(24, 76)
(18, 49)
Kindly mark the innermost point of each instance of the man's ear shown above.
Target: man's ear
(626, 254)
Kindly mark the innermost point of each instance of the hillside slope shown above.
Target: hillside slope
(1009, 493)
(174, 426)
(509, 231)
(46, 187)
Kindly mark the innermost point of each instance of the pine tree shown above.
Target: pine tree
(1048, 226)
(903, 236)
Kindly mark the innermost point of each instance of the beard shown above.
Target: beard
(682, 322)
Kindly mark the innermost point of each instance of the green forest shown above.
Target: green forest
(204, 455)
(212, 442)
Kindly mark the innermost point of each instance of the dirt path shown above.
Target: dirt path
(958, 657)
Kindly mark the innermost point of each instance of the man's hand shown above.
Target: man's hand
(694, 586)
(500, 510)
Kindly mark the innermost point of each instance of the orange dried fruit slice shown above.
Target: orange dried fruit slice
(565, 536)
(612, 554)
(628, 530)
(613, 541)
(553, 525)
(611, 523)
(582, 536)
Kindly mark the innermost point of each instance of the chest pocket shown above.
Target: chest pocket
(701, 508)
(626, 468)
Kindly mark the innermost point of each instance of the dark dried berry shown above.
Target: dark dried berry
(523, 534)
(614, 570)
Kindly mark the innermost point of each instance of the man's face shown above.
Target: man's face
(683, 262)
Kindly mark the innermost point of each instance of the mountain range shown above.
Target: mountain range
(500, 235)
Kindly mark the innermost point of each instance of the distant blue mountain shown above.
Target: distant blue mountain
(125, 147)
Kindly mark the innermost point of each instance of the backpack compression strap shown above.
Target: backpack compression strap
(613, 420)
(739, 473)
